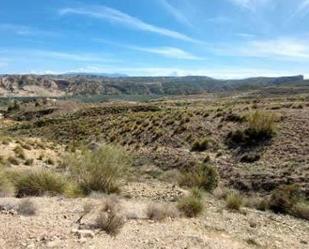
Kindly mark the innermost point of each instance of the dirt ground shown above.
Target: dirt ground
(54, 225)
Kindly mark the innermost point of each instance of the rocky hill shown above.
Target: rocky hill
(89, 84)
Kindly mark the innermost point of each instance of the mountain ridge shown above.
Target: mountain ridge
(93, 84)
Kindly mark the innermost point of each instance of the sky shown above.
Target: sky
(217, 38)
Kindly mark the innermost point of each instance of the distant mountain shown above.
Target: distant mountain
(93, 84)
(94, 75)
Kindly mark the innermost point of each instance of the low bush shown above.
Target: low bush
(39, 182)
(99, 170)
(160, 212)
(6, 186)
(262, 122)
(12, 160)
(234, 201)
(191, 205)
(284, 198)
(261, 128)
(202, 176)
(19, 152)
(29, 162)
(109, 220)
(200, 146)
(301, 210)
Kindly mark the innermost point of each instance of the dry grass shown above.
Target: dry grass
(109, 219)
(262, 122)
(203, 176)
(301, 210)
(39, 182)
(159, 212)
(99, 170)
(6, 186)
(191, 205)
(234, 201)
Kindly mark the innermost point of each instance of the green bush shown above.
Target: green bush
(234, 201)
(191, 205)
(262, 122)
(202, 176)
(99, 170)
(200, 146)
(39, 182)
(261, 128)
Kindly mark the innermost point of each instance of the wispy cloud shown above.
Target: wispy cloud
(24, 30)
(169, 52)
(280, 48)
(57, 55)
(3, 64)
(303, 8)
(216, 72)
(116, 16)
(249, 4)
(176, 13)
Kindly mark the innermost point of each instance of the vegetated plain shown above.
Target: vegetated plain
(212, 170)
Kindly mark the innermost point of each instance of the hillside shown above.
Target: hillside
(204, 171)
(74, 84)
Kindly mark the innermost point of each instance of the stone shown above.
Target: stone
(83, 233)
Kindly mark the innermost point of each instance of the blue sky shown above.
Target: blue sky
(218, 38)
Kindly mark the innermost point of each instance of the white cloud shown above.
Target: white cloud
(280, 48)
(219, 73)
(178, 15)
(58, 55)
(116, 16)
(169, 52)
(23, 30)
(249, 4)
(3, 64)
(303, 8)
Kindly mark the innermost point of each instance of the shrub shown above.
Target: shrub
(26, 207)
(200, 146)
(12, 160)
(257, 203)
(39, 182)
(202, 176)
(19, 152)
(301, 210)
(262, 122)
(26, 146)
(234, 201)
(283, 198)
(260, 129)
(99, 170)
(6, 186)
(49, 161)
(109, 221)
(160, 212)
(29, 162)
(191, 205)
(233, 117)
